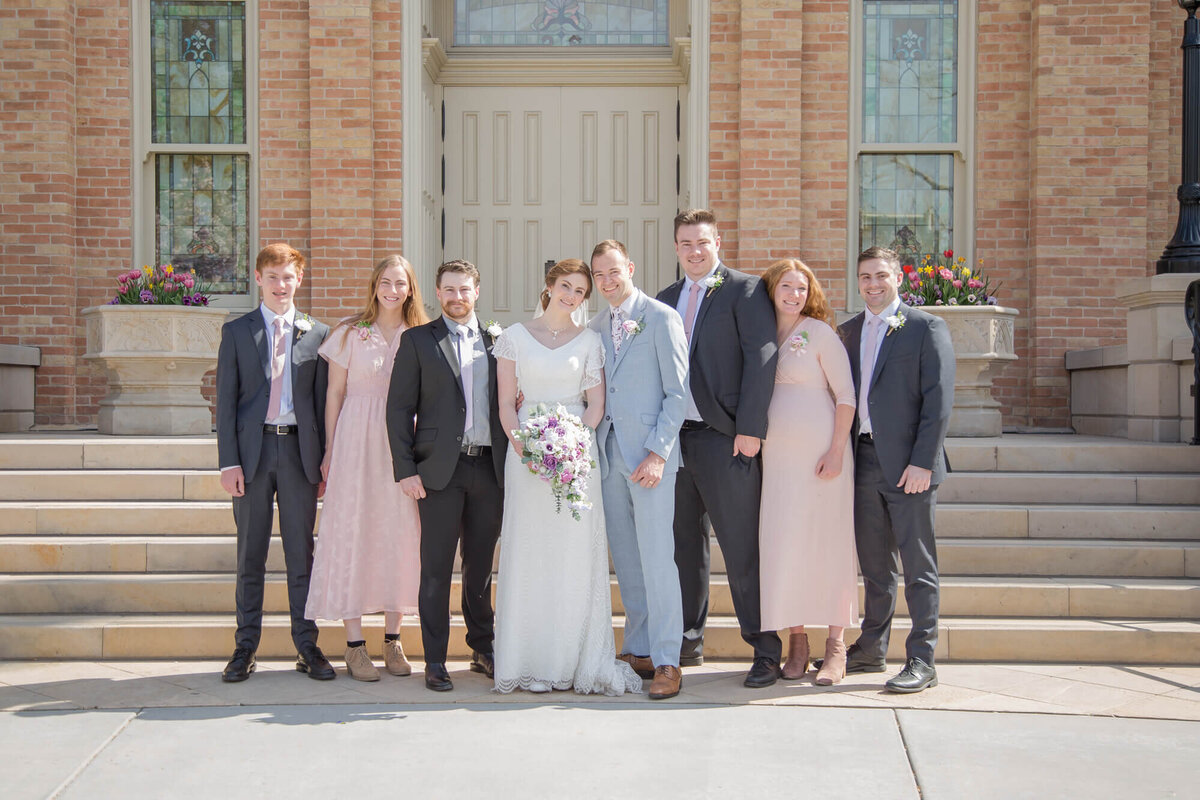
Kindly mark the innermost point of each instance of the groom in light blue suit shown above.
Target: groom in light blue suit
(645, 371)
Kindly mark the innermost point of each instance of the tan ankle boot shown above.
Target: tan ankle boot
(834, 668)
(359, 665)
(797, 661)
(394, 660)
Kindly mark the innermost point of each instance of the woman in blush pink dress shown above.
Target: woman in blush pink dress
(808, 568)
(368, 543)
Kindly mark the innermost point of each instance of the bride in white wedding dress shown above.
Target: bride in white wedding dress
(553, 608)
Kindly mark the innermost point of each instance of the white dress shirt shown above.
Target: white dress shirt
(865, 380)
(692, 412)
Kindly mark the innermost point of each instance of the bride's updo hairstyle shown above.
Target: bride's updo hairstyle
(816, 306)
(568, 266)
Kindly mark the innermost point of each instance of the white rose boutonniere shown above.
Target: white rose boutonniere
(493, 328)
(303, 325)
(895, 322)
(713, 282)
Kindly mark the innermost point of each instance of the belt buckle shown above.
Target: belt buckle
(279, 430)
(473, 450)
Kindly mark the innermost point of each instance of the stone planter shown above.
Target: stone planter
(983, 343)
(155, 358)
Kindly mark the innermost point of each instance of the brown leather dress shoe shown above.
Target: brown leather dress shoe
(642, 665)
(667, 681)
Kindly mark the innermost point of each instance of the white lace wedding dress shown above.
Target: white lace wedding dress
(553, 608)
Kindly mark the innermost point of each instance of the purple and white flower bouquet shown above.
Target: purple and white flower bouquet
(554, 445)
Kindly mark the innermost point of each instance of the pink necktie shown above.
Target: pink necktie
(868, 368)
(278, 353)
(689, 316)
(617, 330)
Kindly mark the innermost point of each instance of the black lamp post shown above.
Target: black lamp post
(1182, 253)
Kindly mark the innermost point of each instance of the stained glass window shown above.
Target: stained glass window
(906, 202)
(560, 23)
(201, 217)
(199, 72)
(910, 71)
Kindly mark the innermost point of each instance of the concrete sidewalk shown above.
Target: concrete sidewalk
(172, 729)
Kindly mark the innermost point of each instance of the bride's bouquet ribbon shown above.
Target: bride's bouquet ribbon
(554, 445)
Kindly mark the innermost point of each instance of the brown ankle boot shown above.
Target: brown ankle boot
(797, 661)
(834, 668)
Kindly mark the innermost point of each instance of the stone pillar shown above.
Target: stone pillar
(1154, 320)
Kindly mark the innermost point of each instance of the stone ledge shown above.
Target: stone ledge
(20, 355)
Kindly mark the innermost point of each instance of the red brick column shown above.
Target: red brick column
(1089, 167)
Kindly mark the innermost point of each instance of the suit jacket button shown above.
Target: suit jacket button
(612, 390)
(607, 419)
(459, 439)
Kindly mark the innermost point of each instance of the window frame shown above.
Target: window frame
(962, 149)
(145, 149)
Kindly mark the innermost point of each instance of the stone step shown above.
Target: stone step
(107, 484)
(960, 487)
(967, 520)
(140, 593)
(956, 556)
(1008, 453)
(186, 636)
(1069, 488)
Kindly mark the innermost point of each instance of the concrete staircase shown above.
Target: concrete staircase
(1052, 548)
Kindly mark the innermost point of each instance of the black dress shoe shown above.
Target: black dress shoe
(764, 673)
(858, 662)
(240, 666)
(691, 654)
(916, 676)
(314, 662)
(483, 662)
(437, 679)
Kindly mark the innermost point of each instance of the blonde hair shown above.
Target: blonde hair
(413, 308)
(816, 305)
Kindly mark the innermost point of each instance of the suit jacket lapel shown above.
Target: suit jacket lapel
(889, 337)
(635, 311)
(602, 325)
(706, 300)
(441, 333)
(258, 332)
(670, 295)
(853, 348)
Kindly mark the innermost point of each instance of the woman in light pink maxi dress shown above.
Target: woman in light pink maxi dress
(367, 556)
(808, 566)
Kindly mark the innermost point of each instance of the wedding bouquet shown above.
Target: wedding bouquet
(554, 446)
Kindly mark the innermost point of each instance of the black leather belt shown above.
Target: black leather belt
(866, 437)
(694, 425)
(281, 430)
(475, 450)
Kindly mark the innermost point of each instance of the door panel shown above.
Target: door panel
(543, 173)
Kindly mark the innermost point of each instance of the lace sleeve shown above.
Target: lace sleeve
(593, 371)
(504, 346)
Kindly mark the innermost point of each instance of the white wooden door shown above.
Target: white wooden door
(543, 173)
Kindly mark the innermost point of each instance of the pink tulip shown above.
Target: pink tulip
(946, 274)
(957, 284)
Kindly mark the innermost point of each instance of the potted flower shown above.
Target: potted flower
(981, 329)
(155, 340)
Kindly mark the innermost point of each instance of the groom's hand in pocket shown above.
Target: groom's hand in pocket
(649, 473)
(413, 487)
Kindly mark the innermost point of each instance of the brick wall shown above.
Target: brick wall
(1076, 162)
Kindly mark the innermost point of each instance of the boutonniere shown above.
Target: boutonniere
(713, 282)
(799, 342)
(303, 325)
(493, 328)
(895, 322)
(634, 327)
(364, 329)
